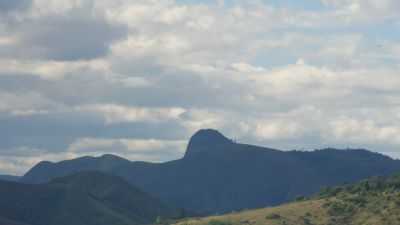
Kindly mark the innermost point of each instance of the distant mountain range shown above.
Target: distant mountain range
(217, 175)
(86, 198)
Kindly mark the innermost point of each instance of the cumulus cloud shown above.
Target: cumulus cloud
(372, 11)
(136, 78)
(75, 33)
(24, 104)
(120, 114)
(20, 159)
(353, 130)
(78, 39)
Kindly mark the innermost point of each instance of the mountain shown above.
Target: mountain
(86, 198)
(4, 221)
(372, 201)
(9, 178)
(45, 171)
(217, 175)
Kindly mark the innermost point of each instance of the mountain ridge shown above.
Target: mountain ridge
(220, 175)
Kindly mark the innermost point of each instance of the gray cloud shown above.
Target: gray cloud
(70, 38)
(14, 5)
(96, 77)
(77, 34)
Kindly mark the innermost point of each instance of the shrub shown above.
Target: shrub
(300, 199)
(273, 216)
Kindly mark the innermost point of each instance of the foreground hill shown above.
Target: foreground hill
(370, 202)
(88, 198)
(217, 175)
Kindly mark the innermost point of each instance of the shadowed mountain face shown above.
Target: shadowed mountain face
(4, 221)
(86, 198)
(217, 175)
(207, 141)
(9, 178)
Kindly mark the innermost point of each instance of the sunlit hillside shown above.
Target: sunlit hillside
(371, 202)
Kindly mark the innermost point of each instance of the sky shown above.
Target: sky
(137, 78)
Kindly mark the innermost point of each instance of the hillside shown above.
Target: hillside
(4, 221)
(87, 198)
(9, 178)
(370, 202)
(217, 175)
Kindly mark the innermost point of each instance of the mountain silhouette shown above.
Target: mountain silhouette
(217, 175)
(207, 140)
(86, 198)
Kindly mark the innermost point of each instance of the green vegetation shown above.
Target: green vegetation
(273, 216)
(369, 202)
(89, 198)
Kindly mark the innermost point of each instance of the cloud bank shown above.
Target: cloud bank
(137, 78)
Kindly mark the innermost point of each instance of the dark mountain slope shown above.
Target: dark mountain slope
(4, 221)
(87, 198)
(217, 175)
(45, 171)
(9, 178)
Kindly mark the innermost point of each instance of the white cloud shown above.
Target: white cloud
(314, 82)
(51, 70)
(25, 104)
(119, 114)
(276, 76)
(197, 119)
(19, 160)
(272, 130)
(246, 68)
(366, 10)
(365, 131)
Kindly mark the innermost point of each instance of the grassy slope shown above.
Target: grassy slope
(290, 214)
(371, 202)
